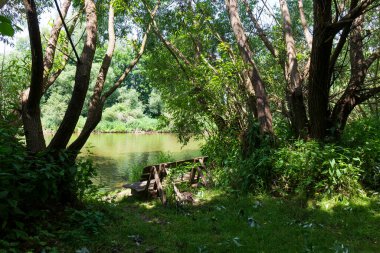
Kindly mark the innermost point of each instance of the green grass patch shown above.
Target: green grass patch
(225, 222)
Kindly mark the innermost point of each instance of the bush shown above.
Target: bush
(300, 167)
(31, 184)
(363, 138)
(309, 167)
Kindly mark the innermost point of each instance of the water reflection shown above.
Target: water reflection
(116, 154)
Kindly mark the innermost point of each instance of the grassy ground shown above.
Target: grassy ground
(223, 222)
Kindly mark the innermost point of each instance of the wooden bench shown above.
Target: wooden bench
(155, 174)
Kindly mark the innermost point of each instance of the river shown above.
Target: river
(115, 155)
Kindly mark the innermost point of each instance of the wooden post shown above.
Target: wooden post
(192, 175)
(200, 175)
(148, 183)
(159, 186)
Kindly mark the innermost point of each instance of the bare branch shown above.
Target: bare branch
(53, 39)
(260, 31)
(355, 11)
(338, 48)
(368, 93)
(372, 58)
(133, 63)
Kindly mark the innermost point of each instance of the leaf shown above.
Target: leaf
(332, 163)
(6, 28)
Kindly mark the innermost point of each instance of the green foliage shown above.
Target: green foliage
(220, 222)
(300, 167)
(31, 184)
(6, 28)
(14, 78)
(309, 167)
(134, 172)
(363, 138)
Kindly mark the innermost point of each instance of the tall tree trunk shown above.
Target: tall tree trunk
(294, 94)
(262, 104)
(31, 112)
(82, 79)
(319, 81)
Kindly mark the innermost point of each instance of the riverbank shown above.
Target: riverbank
(219, 222)
(137, 131)
(144, 124)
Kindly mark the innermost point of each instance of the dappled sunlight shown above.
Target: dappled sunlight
(233, 222)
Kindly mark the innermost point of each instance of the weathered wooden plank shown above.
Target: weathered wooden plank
(138, 186)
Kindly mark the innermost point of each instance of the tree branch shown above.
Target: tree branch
(308, 36)
(133, 63)
(372, 58)
(53, 39)
(338, 49)
(260, 31)
(368, 94)
(355, 11)
(82, 80)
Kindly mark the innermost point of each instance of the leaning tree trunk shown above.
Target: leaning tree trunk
(52, 42)
(96, 104)
(31, 112)
(82, 80)
(262, 104)
(99, 96)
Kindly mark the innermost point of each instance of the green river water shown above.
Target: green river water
(116, 154)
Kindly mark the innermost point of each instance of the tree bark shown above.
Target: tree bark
(54, 76)
(82, 79)
(318, 87)
(294, 95)
(262, 104)
(306, 32)
(52, 43)
(95, 108)
(30, 100)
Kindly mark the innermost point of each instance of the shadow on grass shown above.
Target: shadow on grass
(232, 223)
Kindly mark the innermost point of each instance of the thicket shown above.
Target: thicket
(297, 167)
(34, 188)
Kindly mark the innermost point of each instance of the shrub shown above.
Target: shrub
(309, 167)
(363, 138)
(31, 184)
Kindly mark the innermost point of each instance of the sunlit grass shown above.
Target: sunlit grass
(222, 222)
